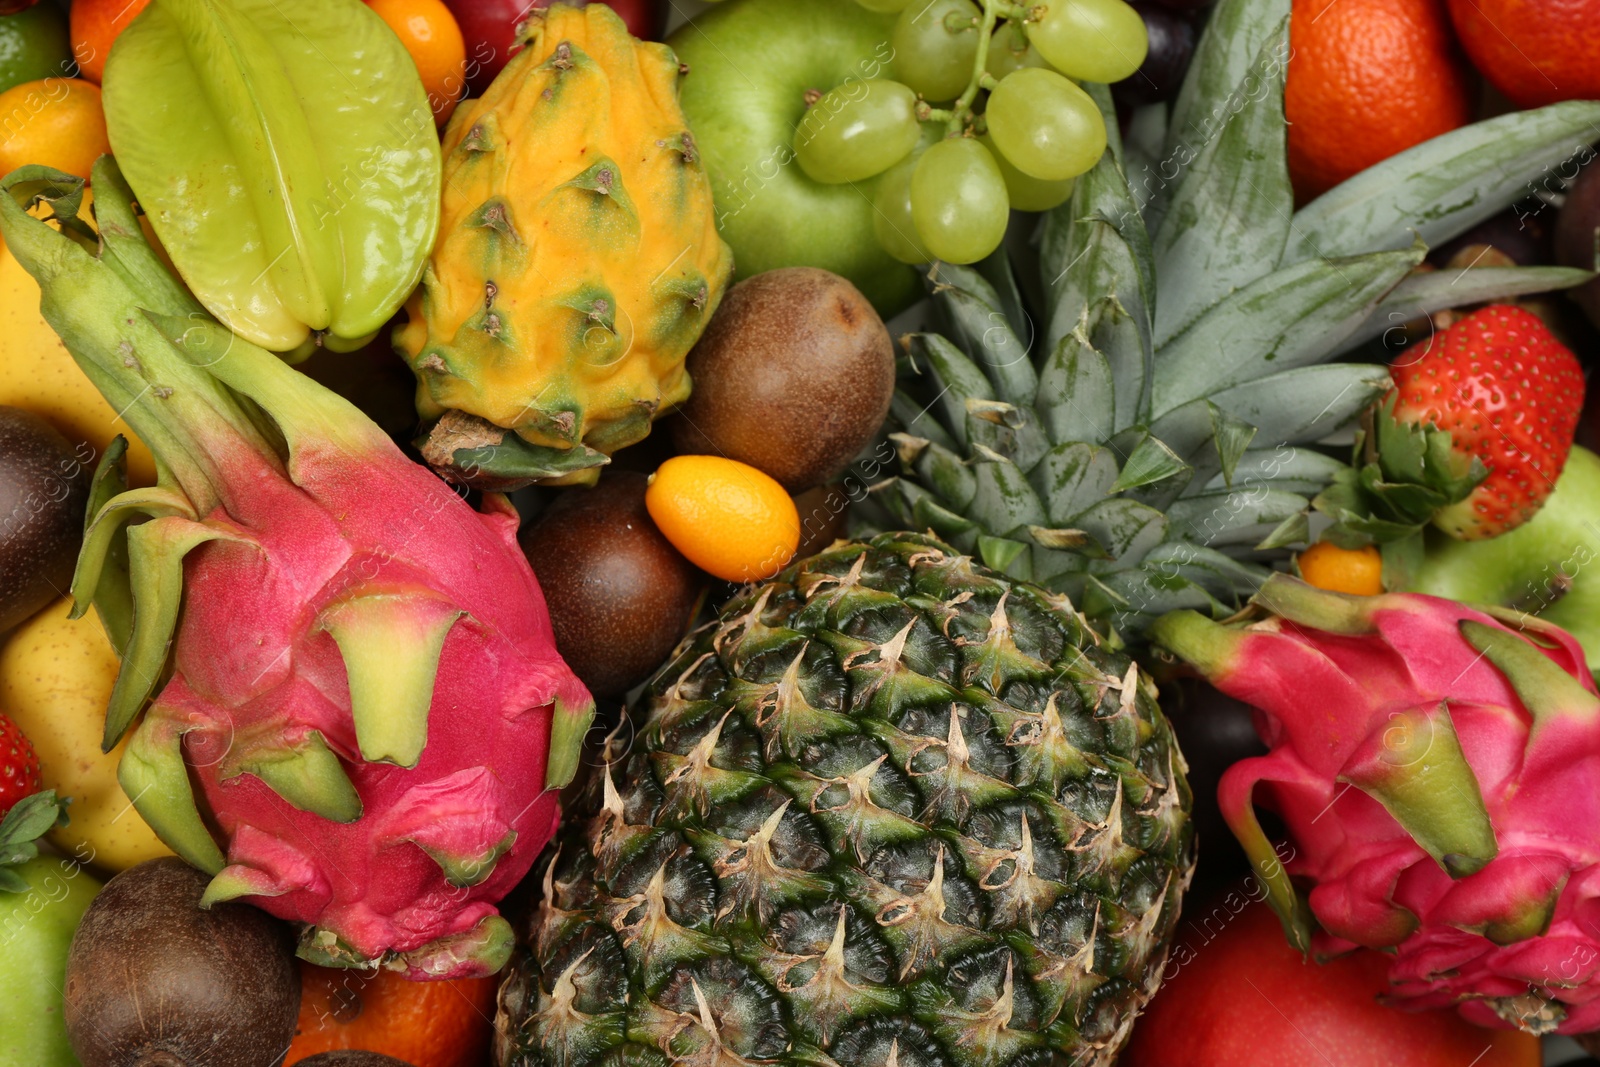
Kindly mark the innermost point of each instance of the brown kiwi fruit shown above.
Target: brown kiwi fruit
(620, 595)
(44, 488)
(793, 376)
(154, 980)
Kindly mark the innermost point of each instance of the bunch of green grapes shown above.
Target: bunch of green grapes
(986, 117)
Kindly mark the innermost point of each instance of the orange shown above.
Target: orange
(95, 24)
(1536, 52)
(1368, 79)
(728, 518)
(427, 1024)
(1343, 570)
(55, 121)
(430, 34)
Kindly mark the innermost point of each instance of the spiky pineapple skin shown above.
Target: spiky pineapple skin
(1005, 880)
(578, 256)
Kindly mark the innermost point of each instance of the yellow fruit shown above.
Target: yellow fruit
(56, 676)
(55, 121)
(728, 518)
(37, 373)
(577, 260)
(1358, 571)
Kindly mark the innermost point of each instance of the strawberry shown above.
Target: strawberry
(19, 766)
(1507, 393)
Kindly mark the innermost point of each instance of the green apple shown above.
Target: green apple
(751, 64)
(1528, 567)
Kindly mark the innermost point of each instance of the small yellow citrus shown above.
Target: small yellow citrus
(1343, 570)
(727, 517)
(54, 121)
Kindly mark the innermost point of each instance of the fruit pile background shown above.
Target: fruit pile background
(827, 532)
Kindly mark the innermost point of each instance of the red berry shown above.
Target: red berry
(19, 766)
(1509, 393)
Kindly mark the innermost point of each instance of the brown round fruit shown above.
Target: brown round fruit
(44, 488)
(620, 595)
(793, 376)
(154, 980)
(1577, 232)
(351, 1058)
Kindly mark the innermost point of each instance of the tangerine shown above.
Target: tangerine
(430, 33)
(727, 517)
(1536, 52)
(428, 1024)
(1358, 571)
(1368, 79)
(95, 25)
(55, 121)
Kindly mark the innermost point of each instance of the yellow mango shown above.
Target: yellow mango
(38, 373)
(56, 676)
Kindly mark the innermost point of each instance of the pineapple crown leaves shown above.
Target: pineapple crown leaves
(28, 820)
(1169, 427)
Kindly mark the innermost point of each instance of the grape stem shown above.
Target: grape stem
(958, 117)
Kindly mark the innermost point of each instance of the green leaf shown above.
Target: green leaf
(28, 820)
(1122, 526)
(1228, 53)
(1240, 517)
(1231, 437)
(1151, 461)
(969, 310)
(1075, 392)
(954, 380)
(1229, 219)
(1423, 294)
(1306, 404)
(1444, 187)
(1291, 318)
(285, 152)
(1293, 470)
(1071, 477)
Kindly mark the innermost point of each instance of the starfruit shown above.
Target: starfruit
(285, 153)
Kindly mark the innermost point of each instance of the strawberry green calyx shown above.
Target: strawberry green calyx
(340, 680)
(1433, 766)
(28, 820)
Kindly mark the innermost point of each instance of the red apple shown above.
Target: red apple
(489, 29)
(1237, 995)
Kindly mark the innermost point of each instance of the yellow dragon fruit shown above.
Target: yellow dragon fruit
(577, 260)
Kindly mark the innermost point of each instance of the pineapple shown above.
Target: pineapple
(889, 808)
(577, 261)
(1155, 446)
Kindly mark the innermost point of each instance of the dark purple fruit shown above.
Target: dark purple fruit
(1214, 732)
(1522, 234)
(44, 488)
(793, 376)
(155, 980)
(1171, 47)
(350, 1058)
(1188, 6)
(620, 595)
(1576, 235)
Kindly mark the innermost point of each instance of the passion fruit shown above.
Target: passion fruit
(793, 376)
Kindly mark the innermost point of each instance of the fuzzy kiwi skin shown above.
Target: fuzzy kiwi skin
(620, 596)
(350, 1058)
(44, 488)
(154, 980)
(793, 376)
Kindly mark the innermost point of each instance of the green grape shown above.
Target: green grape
(891, 215)
(1091, 40)
(884, 7)
(1010, 50)
(856, 130)
(935, 46)
(1046, 126)
(1025, 193)
(958, 201)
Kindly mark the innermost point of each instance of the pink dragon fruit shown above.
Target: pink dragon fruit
(1433, 766)
(363, 681)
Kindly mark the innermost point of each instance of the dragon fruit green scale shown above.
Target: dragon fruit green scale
(362, 680)
(1434, 765)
